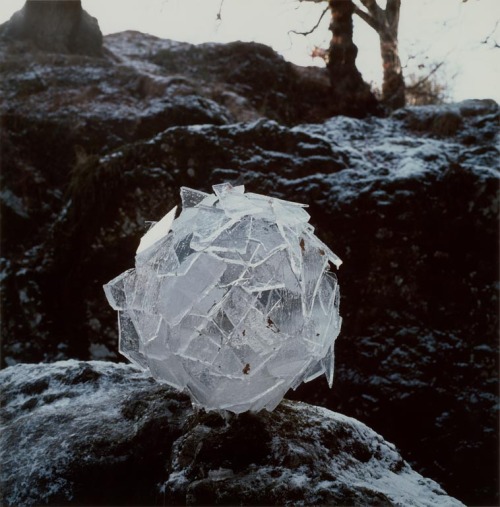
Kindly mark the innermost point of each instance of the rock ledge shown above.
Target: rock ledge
(103, 433)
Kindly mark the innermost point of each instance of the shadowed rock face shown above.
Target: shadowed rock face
(92, 148)
(98, 433)
(60, 26)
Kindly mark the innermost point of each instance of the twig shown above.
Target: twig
(219, 14)
(489, 37)
(314, 27)
(425, 78)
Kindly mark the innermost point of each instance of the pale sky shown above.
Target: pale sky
(430, 30)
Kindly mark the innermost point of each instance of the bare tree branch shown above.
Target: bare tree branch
(315, 26)
(366, 17)
(425, 78)
(489, 38)
(219, 14)
(392, 11)
(374, 9)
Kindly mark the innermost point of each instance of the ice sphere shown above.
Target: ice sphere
(234, 301)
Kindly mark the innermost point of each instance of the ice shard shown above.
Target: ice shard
(234, 301)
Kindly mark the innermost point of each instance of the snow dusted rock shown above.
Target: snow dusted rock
(99, 433)
(419, 348)
(451, 119)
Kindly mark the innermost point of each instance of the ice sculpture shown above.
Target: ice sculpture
(234, 301)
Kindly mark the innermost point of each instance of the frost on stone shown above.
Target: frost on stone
(234, 301)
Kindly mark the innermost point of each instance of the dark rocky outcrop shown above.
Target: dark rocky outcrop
(92, 148)
(95, 433)
(59, 26)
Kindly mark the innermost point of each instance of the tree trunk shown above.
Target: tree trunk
(386, 22)
(60, 26)
(352, 96)
(393, 85)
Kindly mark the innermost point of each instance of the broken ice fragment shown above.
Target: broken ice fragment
(234, 301)
(191, 198)
(158, 231)
(115, 290)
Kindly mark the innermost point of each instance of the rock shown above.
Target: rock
(268, 84)
(98, 433)
(56, 26)
(411, 209)
(447, 120)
